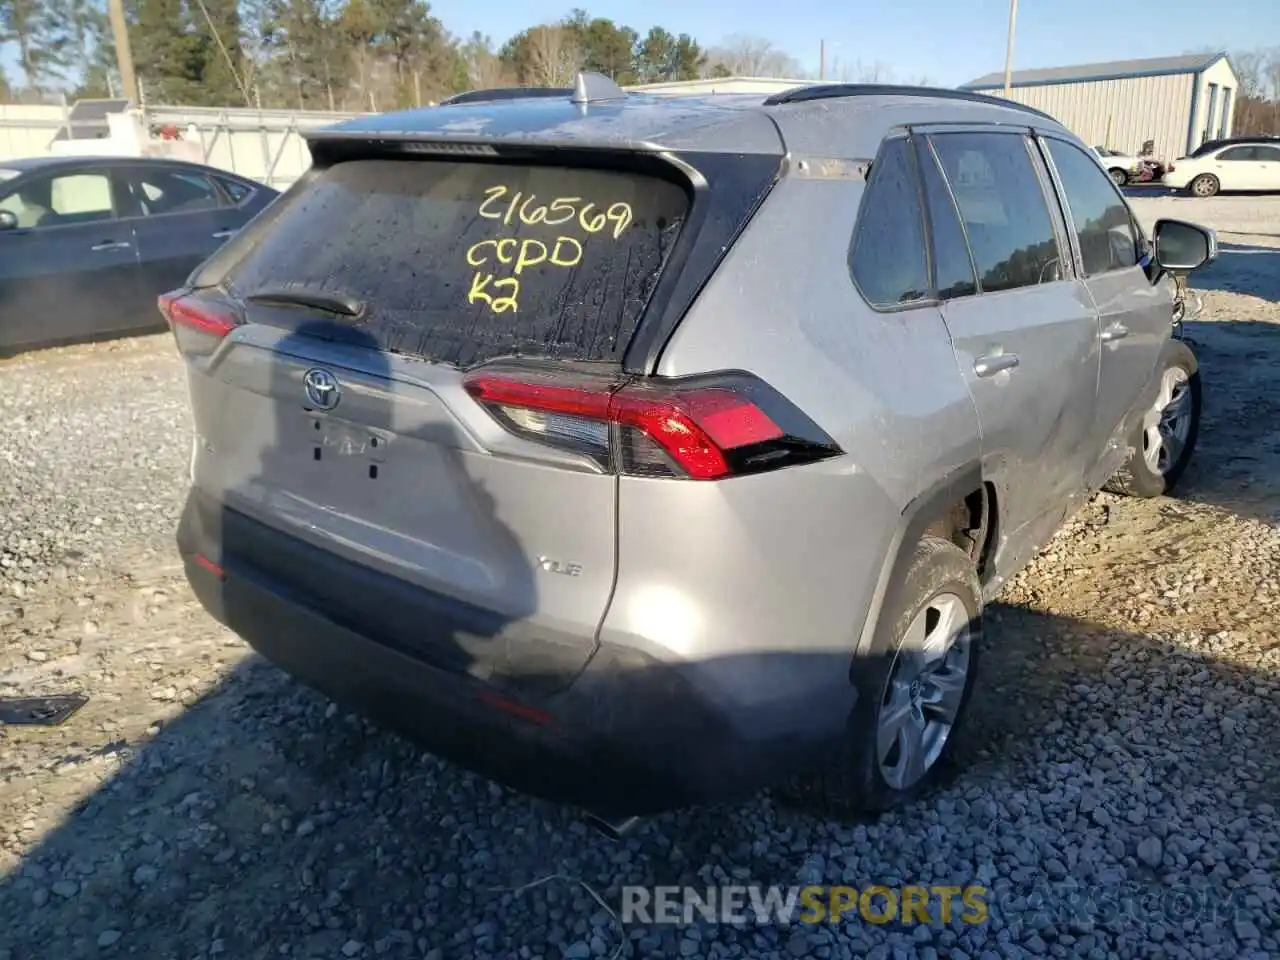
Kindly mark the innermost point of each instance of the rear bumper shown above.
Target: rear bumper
(630, 735)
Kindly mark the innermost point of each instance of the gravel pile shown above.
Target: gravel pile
(1118, 795)
(94, 445)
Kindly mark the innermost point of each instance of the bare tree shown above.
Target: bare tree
(1249, 72)
(1271, 70)
(746, 56)
(485, 68)
(859, 72)
(1257, 107)
(553, 56)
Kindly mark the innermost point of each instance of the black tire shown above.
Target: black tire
(1204, 186)
(852, 783)
(1136, 478)
(1118, 176)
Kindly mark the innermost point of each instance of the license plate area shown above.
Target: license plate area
(347, 447)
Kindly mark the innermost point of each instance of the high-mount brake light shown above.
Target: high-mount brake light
(705, 428)
(180, 310)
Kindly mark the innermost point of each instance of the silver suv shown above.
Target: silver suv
(640, 451)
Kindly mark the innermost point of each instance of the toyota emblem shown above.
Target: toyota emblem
(322, 389)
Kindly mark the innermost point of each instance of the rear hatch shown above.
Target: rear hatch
(339, 367)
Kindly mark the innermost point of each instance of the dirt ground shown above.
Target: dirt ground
(201, 803)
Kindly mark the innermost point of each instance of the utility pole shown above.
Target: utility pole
(124, 55)
(822, 59)
(1008, 52)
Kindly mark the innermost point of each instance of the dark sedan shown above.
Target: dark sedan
(88, 243)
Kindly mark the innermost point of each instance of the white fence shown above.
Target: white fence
(264, 145)
(25, 131)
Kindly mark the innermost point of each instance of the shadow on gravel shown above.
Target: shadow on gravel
(1236, 465)
(1242, 268)
(262, 819)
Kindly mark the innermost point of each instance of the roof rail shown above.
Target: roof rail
(828, 91)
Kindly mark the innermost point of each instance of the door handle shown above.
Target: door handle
(223, 234)
(1117, 331)
(111, 245)
(989, 366)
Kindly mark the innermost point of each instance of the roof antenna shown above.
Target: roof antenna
(595, 88)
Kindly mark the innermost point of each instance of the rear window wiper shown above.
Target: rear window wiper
(328, 301)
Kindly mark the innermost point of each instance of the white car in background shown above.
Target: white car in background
(1234, 166)
(1121, 167)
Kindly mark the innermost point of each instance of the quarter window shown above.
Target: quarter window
(888, 258)
(234, 189)
(1099, 216)
(1003, 207)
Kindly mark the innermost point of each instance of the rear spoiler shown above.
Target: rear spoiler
(588, 87)
(503, 93)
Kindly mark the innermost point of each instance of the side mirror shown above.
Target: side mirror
(1182, 247)
(8, 220)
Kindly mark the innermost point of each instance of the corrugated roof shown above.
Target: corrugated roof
(1116, 69)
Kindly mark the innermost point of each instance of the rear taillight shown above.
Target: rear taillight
(196, 313)
(205, 563)
(705, 428)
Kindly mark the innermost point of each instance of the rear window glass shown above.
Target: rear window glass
(464, 262)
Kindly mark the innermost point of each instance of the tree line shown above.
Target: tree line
(385, 54)
(342, 54)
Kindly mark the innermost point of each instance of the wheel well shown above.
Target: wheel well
(970, 523)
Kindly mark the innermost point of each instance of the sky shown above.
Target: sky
(948, 41)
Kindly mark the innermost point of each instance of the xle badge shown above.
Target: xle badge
(561, 567)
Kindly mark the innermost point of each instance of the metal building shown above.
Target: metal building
(1178, 102)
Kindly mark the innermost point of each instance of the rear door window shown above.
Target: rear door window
(1003, 206)
(952, 268)
(160, 192)
(464, 262)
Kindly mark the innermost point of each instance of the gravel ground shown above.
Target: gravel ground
(1123, 750)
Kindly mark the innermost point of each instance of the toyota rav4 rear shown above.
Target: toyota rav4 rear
(421, 383)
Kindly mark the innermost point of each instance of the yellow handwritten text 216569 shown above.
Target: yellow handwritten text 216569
(519, 208)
